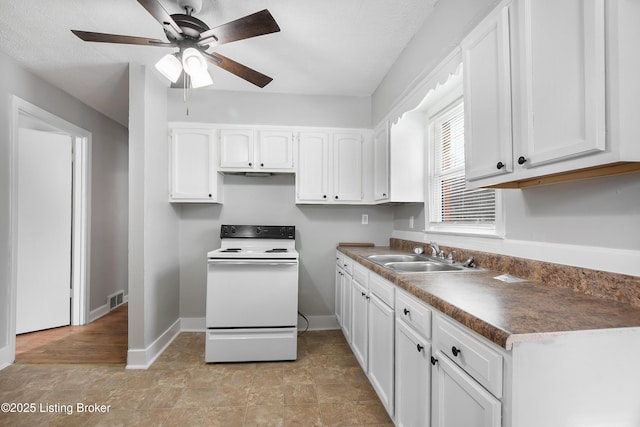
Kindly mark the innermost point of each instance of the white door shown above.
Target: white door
(359, 322)
(193, 175)
(275, 150)
(347, 167)
(236, 149)
(44, 231)
(381, 354)
(312, 176)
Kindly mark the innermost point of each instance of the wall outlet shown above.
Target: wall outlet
(365, 219)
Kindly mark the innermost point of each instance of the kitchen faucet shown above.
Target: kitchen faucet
(435, 250)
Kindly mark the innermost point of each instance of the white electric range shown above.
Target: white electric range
(252, 295)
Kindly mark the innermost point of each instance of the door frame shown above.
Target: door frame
(22, 110)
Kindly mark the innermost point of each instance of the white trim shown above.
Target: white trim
(97, 313)
(7, 357)
(81, 248)
(144, 358)
(622, 261)
(318, 323)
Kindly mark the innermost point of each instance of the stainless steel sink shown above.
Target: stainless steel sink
(383, 259)
(421, 267)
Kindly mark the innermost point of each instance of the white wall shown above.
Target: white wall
(109, 168)
(153, 231)
(271, 200)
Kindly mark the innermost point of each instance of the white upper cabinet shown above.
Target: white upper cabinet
(312, 176)
(193, 158)
(571, 98)
(334, 167)
(487, 97)
(237, 149)
(406, 149)
(253, 150)
(381, 163)
(347, 167)
(560, 80)
(275, 151)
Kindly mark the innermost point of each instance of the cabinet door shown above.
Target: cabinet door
(338, 296)
(561, 80)
(347, 167)
(236, 149)
(458, 400)
(487, 98)
(312, 176)
(381, 353)
(359, 322)
(275, 150)
(346, 306)
(413, 377)
(193, 173)
(381, 163)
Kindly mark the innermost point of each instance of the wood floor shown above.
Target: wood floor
(103, 342)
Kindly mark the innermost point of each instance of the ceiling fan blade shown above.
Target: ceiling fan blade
(253, 25)
(161, 15)
(89, 36)
(242, 71)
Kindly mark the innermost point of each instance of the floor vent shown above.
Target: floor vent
(116, 300)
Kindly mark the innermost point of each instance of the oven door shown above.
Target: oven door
(252, 293)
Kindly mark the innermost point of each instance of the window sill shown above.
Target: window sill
(461, 231)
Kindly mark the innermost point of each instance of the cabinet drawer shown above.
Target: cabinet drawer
(361, 275)
(414, 312)
(347, 264)
(382, 288)
(477, 358)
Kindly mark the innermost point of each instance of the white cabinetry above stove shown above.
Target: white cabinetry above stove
(256, 150)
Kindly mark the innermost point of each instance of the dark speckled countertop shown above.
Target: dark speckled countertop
(505, 313)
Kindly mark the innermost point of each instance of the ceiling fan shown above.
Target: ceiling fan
(193, 38)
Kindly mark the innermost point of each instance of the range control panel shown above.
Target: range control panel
(257, 232)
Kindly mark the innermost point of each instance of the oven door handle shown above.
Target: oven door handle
(253, 262)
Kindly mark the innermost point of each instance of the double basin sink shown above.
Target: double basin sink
(410, 263)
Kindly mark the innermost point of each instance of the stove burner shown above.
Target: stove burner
(231, 250)
(277, 250)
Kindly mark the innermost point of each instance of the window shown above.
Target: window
(452, 207)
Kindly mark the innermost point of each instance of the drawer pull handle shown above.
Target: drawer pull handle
(522, 160)
(406, 312)
(363, 294)
(500, 165)
(419, 347)
(434, 361)
(455, 351)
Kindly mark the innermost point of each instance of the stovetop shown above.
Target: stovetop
(252, 241)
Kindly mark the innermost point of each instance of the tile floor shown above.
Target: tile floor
(324, 387)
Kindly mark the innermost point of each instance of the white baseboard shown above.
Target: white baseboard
(6, 358)
(103, 310)
(620, 261)
(318, 323)
(144, 358)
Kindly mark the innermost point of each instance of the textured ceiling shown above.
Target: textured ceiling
(325, 47)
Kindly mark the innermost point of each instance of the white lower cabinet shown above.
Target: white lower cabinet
(458, 400)
(413, 377)
(359, 321)
(381, 354)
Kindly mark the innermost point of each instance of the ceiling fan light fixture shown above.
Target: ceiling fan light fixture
(201, 79)
(193, 61)
(170, 67)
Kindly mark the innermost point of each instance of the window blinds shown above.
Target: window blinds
(452, 202)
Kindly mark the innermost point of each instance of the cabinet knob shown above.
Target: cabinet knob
(261, 165)
(434, 361)
(368, 297)
(419, 347)
(336, 197)
(209, 195)
(250, 164)
(500, 165)
(363, 294)
(521, 160)
(406, 312)
(455, 351)
(324, 196)
(384, 194)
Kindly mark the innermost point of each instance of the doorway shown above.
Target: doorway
(54, 150)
